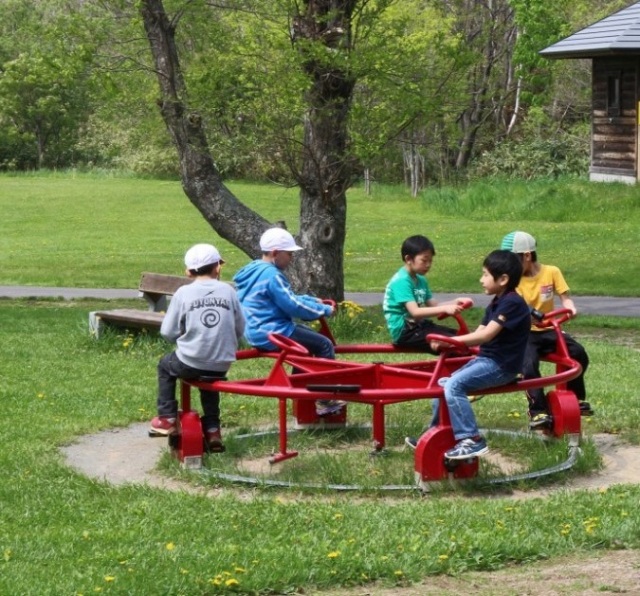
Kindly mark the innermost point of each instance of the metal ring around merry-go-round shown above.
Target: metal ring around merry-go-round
(573, 454)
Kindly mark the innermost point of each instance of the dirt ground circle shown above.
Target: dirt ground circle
(108, 456)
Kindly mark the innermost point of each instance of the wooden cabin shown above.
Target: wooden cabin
(613, 45)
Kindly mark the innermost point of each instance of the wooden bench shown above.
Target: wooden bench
(155, 288)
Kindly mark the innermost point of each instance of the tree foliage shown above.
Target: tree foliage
(437, 83)
(45, 83)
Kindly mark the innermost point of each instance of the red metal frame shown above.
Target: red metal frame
(380, 384)
(187, 441)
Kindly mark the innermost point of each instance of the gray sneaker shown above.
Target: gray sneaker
(467, 448)
(329, 408)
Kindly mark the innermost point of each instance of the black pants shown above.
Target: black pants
(170, 369)
(544, 342)
(414, 335)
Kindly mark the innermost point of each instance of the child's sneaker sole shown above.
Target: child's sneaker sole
(468, 456)
(162, 427)
(157, 433)
(541, 421)
(411, 443)
(585, 409)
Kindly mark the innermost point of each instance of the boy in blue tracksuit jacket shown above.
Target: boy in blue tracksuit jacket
(270, 305)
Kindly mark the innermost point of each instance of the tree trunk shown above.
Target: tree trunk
(326, 171)
(367, 181)
(488, 27)
(200, 178)
(413, 165)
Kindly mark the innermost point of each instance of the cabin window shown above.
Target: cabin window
(613, 94)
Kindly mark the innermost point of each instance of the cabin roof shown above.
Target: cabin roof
(617, 34)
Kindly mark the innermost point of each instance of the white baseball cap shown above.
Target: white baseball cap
(201, 255)
(519, 242)
(278, 239)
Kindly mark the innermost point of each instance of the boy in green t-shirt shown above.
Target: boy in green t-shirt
(408, 302)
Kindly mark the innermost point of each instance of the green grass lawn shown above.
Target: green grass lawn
(63, 533)
(100, 231)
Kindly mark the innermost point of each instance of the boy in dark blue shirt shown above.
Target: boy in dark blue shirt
(502, 337)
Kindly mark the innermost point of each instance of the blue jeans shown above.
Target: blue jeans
(479, 373)
(317, 344)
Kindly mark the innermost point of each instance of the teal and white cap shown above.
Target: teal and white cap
(519, 242)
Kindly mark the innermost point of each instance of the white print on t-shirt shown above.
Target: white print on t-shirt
(546, 293)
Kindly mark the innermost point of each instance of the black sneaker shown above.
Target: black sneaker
(585, 409)
(411, 442)
(540, 420)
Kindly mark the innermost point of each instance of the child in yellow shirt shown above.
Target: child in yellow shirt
(538, 286)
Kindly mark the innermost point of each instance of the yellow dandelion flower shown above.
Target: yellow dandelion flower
(398, 573)
(334, 554)
(338, 516)
(109, 578)
(443, 558)
(239, 569)
(170, 546)
(590, 525)
(231, 582)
